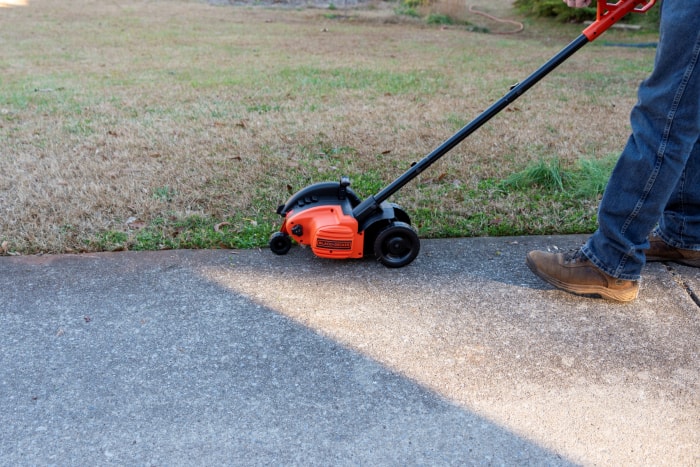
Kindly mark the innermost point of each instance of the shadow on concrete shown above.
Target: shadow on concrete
(144, 359)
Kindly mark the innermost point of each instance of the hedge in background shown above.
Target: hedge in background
(558, 10)
(555, 9)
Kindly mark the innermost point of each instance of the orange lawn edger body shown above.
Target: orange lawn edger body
(331, 219)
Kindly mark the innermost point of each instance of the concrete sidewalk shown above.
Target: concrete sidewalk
(243, 357)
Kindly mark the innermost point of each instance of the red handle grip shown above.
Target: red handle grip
(610, 13)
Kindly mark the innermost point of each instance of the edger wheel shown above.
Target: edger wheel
(396, 245)
(280, 243)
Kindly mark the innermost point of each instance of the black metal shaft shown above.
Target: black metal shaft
(366, 208)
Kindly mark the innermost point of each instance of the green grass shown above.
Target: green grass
(587, 179)
(547, 175)
(543, 198)
(193, 232)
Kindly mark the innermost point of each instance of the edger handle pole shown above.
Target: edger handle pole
(607, 15)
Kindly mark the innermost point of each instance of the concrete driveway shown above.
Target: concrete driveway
(242, 357)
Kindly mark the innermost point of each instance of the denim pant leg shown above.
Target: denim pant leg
(680, 222)
(653, 173)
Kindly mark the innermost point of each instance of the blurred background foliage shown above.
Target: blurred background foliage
(558, 10)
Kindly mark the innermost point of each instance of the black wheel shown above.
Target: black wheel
(396, 245)
(280, 243)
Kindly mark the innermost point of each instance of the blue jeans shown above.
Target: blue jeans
(656, 182)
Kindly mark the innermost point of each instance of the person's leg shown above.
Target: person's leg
(680, 223)
(665, 127)
(649, 174)
(677, 238)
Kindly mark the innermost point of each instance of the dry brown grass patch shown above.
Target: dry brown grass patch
(111, 112)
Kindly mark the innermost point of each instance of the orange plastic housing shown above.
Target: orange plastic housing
(328, 231)
(610, 13)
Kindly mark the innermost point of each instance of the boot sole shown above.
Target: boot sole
(604, 292)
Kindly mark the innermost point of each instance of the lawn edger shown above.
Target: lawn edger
(333, 220)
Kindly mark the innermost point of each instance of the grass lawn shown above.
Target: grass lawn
(150, 124)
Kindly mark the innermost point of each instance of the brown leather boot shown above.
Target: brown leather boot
(662, 251)
(574, 273)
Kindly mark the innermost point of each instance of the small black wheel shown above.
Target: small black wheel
(396, 245)
(280, 243)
